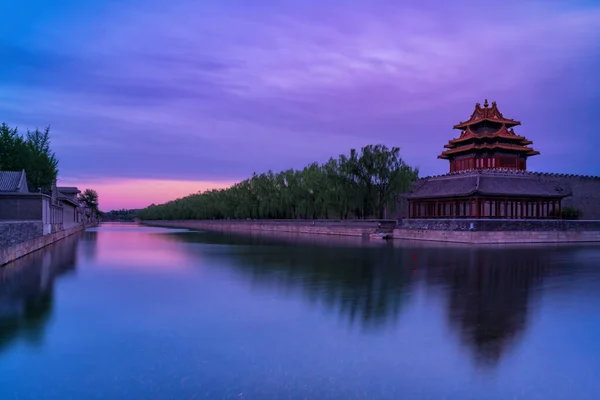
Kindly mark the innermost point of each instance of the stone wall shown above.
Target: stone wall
(497, 237)
(497, 225)
(11, 253)
(524, 231)
(22, 206)
(13, 232)
(316, 227)
(586, 194)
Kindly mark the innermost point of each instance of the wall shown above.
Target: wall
(320, 227)
(495, 237)
(453, 231)
(69, 216)
(8, 254)
(22, 206)
(586, 194)
(13, 232)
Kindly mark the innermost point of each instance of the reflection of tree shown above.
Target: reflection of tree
(365, 285)
(26, 290)
(490, 289)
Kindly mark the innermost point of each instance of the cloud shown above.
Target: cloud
(217, 90)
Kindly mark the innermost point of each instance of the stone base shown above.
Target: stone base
(488, 237)
(19, 250)
(322, 227)
(438, 231)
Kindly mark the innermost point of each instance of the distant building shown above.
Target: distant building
(24, 215)
(69, 192)
(488, 176)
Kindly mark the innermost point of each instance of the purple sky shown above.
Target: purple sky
(144, 92)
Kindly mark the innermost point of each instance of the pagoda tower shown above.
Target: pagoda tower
(488, 177)
(488, 141)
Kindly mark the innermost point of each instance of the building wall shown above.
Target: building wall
(23, 207)
(586, 194)
(69, 215)
(585, 189)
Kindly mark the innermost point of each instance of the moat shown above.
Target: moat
(124, 311)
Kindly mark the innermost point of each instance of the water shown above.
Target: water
(131, 312)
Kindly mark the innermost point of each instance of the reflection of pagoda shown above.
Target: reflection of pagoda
(491, 292)
(488, 177)
(490, 303)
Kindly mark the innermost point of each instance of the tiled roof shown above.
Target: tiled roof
(490, 146)
(487, 183)
(67, 199)
(68, 189)
(502, 133)
(487, 114)
(13, 182)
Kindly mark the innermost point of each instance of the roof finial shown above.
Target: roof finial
(485, 103)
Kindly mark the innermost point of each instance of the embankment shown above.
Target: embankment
(15, 251)
(316, 227)
(452, 231)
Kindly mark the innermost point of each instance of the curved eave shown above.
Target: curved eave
(514, 138)
(508, 122)
(474, 148)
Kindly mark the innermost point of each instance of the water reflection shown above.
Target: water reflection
(361, 284)
(489, 291)
(26, 290)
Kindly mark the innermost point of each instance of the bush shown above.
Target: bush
(570, 213)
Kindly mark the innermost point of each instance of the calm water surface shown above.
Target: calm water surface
(131, 312)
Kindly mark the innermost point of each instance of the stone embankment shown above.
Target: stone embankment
(18, 250)
(314, 227)
(456, 231)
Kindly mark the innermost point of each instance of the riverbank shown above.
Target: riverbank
(317, 227)
(16, 251)
(452, 231)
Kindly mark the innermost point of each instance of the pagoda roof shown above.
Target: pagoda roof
(487, 113)
(502, 133)
(490, 146)
(491, 183)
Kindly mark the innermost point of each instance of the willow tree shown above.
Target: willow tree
(360, 184)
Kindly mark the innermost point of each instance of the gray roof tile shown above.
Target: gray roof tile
(13, 182)
(487, 183)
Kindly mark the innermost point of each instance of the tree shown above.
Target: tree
(361, 184)
(89, 198)
(32, 153)
(42, 165)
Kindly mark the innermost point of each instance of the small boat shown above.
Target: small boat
(379, 235)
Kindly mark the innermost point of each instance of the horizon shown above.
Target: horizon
(181, 97)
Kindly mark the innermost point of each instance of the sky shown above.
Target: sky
(150, 100)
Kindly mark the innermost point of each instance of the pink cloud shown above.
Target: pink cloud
(139, 193)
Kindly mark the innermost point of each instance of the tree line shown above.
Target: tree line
(361, 184)
(31, 153)
(120, 215)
